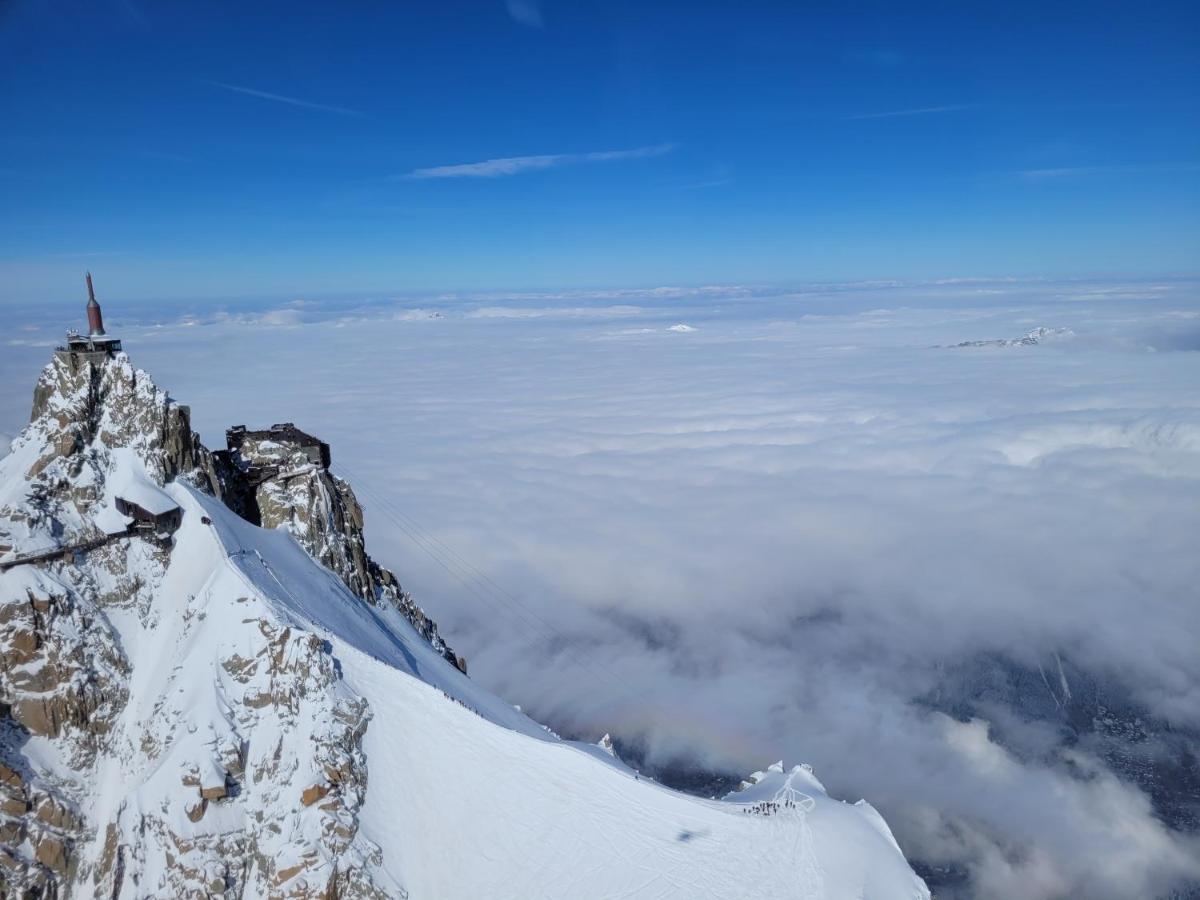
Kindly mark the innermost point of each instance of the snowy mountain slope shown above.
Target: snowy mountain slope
(550, 818)
(215, 714)
(305, 595)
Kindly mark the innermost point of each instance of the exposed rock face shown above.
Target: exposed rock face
(61, 669)
(115, 405)
(285, 488)
(250, 832)
(32, 818)
(248, 785)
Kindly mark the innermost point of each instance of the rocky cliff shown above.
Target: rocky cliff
(277, 484)
(76, 627)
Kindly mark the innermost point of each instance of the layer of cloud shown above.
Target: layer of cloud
(780, 534)
(515, 165)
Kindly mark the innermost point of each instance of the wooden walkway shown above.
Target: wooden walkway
(63, 552)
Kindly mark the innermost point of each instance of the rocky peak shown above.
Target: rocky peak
(280, 478)
(111, 404)
(86, 416)
(88, 601)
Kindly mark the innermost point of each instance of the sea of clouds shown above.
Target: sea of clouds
(771, 532)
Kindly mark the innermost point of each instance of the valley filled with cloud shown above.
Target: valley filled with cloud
(862, 526)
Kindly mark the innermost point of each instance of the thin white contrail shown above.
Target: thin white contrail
(920, 111)
(280, 98)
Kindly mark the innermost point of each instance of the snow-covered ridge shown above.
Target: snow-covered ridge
(1031, 338)
(197, 716)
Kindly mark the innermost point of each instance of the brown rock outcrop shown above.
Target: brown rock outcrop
(281, 486)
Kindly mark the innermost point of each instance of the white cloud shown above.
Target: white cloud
(1069, 172)
(554, 312)
(280, 317)
(787, 532)
(514, 165)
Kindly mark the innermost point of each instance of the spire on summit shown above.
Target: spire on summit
(95, 317)
(98, 345)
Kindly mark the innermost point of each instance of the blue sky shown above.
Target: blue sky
(200, 149)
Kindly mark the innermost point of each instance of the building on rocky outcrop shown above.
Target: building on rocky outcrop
(314, 450)
(279, 478)
(97, 345)
(162, 518)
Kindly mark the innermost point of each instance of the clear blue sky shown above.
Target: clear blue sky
(190, 149)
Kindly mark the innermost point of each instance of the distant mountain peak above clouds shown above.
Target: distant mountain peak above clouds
(1031, 338)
